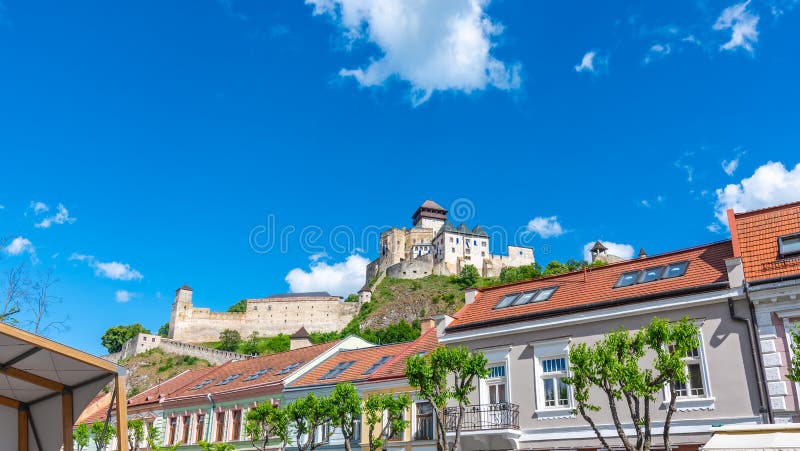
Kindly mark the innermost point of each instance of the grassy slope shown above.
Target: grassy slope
(155, 366)
(394, 300)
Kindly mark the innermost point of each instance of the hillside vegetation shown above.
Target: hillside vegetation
(152, 367)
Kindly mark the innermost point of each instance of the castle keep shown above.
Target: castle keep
(435, 246)
(269, 316)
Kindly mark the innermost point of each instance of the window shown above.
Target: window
(357, 430)
(236, 428)
(496, 384)
(506, 301)
(185, 435)
(220, 435)
(322, 433)
(552, 367)
(515, 299)
(378, 364)
(524, 298)
(789, 246)
(675, 270)
(396, 435)
(229, 379)
(173, 426)
(202, 384)
(694, 386)
(424, 427)
(199, 430)
(544, 294)
(258, 374)
(651, 274)
(289, 368)
(337, 370)
(626, 279)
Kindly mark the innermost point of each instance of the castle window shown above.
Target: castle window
(789, 246)
(483, 254)
(456, 240)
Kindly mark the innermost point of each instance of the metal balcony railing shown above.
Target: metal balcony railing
(484, 417)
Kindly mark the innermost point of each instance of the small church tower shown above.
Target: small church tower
(598, 251)
(430, 215)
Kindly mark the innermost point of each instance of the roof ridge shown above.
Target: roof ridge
(765, 209)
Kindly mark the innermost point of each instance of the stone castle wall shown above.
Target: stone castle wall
(145, 342)
(267, 317)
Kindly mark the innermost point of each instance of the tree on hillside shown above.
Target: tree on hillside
(229, 340)
(518, 273)
(264, 423)
(305, 416)
(469, 276)
(615, 366)
(80, 436)
(442, 375)
(102, 434)
(385, 414)
(163, 331)
(555, 267)
(346, 408)
(238, 307)
(352, 297)
(116, 336)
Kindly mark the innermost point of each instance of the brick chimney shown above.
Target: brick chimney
(427, 324)
(469, 295)
(299, 339)
(438, 322)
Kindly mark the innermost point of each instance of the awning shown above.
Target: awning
(762, 437)
(44, 387)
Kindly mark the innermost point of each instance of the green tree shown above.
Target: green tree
(385, 414)
(239, 307)
(446, 374)
(135, 434)
(205, 446)
(163, 331)
(306, 415)
(614, 366)
(794, 368)
(351, 298)
(154, 440)
(80, 436)
(102, 434)
(116, 336)
(229, 340)
(393, 333)
(555, 267)
(264, 423)
(346, 408)
(469, 276)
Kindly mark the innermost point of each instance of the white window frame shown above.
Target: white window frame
(544, 350)
(415, 415)
(705, 402)
(494, 357)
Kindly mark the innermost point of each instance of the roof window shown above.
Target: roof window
(527, 297)
(378, 364)
(669, 271)
(334, 372)
(288, 369)
(258, 374)
(202, 384)
(229, 379)
(627, 279)
(789, 246)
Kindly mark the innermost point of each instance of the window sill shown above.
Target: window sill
(554, 414)
(690, 404)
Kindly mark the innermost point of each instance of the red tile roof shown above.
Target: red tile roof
(363, 359)
(755, 236)
(396, 368)
(168, 387)
(246, 368)
(596, 286)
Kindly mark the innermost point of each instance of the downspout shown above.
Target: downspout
(210, 417)
(755, 353)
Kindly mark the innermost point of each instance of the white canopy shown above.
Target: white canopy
(44, 387)
(762, 437)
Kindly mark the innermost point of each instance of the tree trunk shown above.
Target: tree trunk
(459, 422)
(612, 405)
(441, 430)
(670, 410)
(589, 420)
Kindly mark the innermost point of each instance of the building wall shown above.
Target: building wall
(267, 317)
(412, 269)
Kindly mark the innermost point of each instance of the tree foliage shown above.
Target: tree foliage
(442, 375)
(238, 307)
(102, 434)
(615, 366)
(794, 368)
(229, 340)
(469, 276)
(385, 415)
(205, 446)
(352, 297)
(305, 416)
(80, 436)
(116, 336)
(345, 408)
(135, 434)
(265, 423)
(163, 331)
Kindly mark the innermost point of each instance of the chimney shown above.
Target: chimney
(735, 271)
(469, 295)
(438, 322)
(427, 324)
(299, 339)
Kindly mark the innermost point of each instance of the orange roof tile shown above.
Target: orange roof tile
(757, 233)
(363, 359)
(168, 387)
(596, 286)
(245, 369)
(396, 368)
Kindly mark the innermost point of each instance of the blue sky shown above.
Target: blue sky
(174, 133)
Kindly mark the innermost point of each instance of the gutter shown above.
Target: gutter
(586, 307)
(755, 352)
(790, 278)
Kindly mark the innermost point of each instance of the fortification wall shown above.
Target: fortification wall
(145, 342)
(412, 269)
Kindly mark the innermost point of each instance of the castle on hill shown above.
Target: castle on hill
(269, 316)
(435, 246)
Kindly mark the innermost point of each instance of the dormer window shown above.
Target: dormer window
(628, 278)
(789, 246)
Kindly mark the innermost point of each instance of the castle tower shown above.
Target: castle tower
(181, 308)
(430, 215)
(299, 339)
(598, 251)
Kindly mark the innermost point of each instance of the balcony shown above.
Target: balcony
(484, 417)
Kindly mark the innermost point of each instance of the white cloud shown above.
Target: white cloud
(546, 227)
(730, 166)
(592, 62)
(61, 217)
(770, 184)
(124, 295)
(20, 245)
(657, 51)
(340, 278)
(714, 227)
(109, 270)
(434, 45)
(742, 25)
(39, 207)
(624, 251)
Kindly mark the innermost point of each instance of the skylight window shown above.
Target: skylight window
(675, 270)
(544, 294)
(288, 369)
(378, 364)
(507, 300)
(334, 372)
(789, 246)
(202, 384)
(627, 279)
(651, 274)
(258, 374)
(229, 379)
(524, 298)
